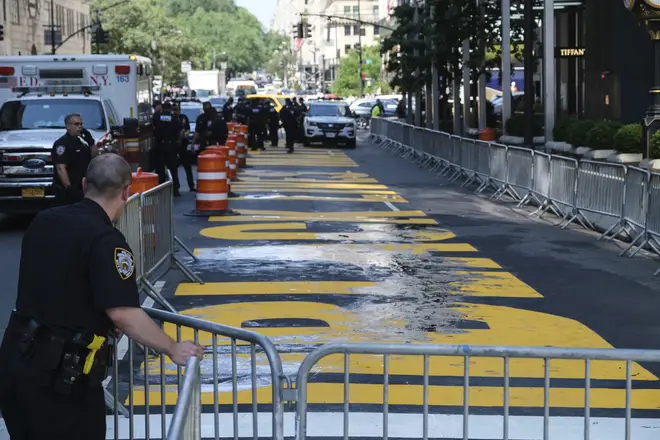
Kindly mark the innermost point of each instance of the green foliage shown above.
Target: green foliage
(187, 30)
(601, 135)
(655, 145)
(562, 129)
(577, 133)
(629, 139)
(348, 78)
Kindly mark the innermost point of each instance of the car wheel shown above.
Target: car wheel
(351, 143)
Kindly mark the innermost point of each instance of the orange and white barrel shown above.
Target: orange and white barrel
(231, 127)
(243, 129)
(212, 190)
(231, 144)
(241, 149)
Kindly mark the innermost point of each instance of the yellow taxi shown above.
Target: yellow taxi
(279, 100)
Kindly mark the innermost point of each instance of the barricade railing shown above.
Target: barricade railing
(160, 394)
(541, 362)
(617, 200)
(147, 222)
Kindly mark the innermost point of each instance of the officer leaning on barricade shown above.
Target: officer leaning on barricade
(76, 288)
(167, 133)
(71, 154)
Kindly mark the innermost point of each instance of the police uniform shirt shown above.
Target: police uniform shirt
(273, 117)
(202, 124)
(288, 116)
(185, 122)
(75, 152)
(167, 127)
(74, 267)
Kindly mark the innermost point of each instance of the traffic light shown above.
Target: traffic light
(308, 30)
(298, 30)
(2, 33)
(100, 36)
(357, 46)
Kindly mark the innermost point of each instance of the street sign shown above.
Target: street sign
(186, 66)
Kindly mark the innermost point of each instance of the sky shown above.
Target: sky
(264, 10)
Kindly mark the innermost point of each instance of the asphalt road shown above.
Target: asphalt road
(360, 246)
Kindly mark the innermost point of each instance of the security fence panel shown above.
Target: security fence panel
(498, 163)
(653, 214)
(237, 366)
(129, 224)
(479, 392)
(520, 170)
(482, 153)
(563, 184)
(600, 193)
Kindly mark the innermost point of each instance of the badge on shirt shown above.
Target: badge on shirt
(124, 262)
(60, 150)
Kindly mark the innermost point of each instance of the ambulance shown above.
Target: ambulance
(113, 93)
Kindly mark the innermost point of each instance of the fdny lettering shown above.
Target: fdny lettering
(166, 118)
(28, 81)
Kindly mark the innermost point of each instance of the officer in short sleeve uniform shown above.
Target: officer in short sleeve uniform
(74, 267)
(75, 152)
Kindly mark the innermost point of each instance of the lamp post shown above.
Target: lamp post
(648, 11)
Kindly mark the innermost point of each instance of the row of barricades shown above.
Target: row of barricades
(617, 200)
(217, 167)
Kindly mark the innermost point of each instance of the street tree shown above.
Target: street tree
(348, 77)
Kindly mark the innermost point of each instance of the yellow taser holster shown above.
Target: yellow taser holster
(93, 348)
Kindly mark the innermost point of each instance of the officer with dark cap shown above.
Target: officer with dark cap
(273, 124)
(210, 127)
(76, 288)
(256, 126)
(167, 132)
(228, 110)
(288, 117)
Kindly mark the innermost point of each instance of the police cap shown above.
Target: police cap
(167, 105)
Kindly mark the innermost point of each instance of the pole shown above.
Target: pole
(549, 98)
(481, 82)
(360, 52)
(467, 88)
(213, 60)
(506, 62)
(435, 91)
(52, 26)
(418, 94)
(529, 71)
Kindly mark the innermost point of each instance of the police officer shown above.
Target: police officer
(210, 127)
(71, 154)
(256, 126)
(228, 110)
(167, 132)
(273, 124)
(288, 117)
(186, 155)
(76, 288)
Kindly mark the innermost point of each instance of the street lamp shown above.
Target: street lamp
(648, 11)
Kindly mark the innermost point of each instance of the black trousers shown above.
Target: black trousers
(272, 129)
(32, 410)
(187, 159)
(166, 156)
(290, 136)
(256, 137)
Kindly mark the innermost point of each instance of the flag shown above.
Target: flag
(298, 42)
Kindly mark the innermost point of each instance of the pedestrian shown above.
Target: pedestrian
(273, 124)
(210, 127)
(401, 110)
(228, 110)
(378, 109)
(186, 155)
(288, 117)
(71, 155)
(76, 287)
(256, 126)
(167, 132)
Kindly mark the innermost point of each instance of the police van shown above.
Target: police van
(113, 93)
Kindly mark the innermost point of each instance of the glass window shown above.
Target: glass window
(327, 110)
(356, 10)
(347, 30)
(347, 11)
(347, 48)
(356, 29)
(112, 117)
(50, 113)
(15, 12)
(363, 31)
(375, 12)
(376, 30)
(191, 112)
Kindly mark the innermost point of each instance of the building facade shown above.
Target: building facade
(27, 26)
(334, 33)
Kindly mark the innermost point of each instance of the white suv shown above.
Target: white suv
(329, 122)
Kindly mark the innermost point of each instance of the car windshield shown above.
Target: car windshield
(326, 110)
(191, 112)
(282, 101)
(217, 102)
(50, 113)
(203, 93)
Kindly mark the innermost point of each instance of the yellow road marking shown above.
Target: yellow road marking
(255, 180)
(366, 198)
(341, 175)
(319, 393)
(500, 284)
(319, 185)
(347, 249)
(314, 164)
(249, 232)
(348, 216)
(261, 190)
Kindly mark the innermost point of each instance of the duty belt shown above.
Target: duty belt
(74, 357)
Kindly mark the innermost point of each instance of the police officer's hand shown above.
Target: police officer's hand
(182, 351)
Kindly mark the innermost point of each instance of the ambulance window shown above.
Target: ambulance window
(112, 116)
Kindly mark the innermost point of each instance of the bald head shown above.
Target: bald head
(107, 176)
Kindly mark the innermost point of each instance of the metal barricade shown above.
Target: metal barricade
(540, 362)
(498, 168)
(158, 239)
(600, 190)
(482, 164)
(234, 360)
(563, 184)
(635, 202)
(186, 421)
(520, 171)
(129, 224)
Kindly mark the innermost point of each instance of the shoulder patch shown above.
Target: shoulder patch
(60, 150)
(124, 262)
